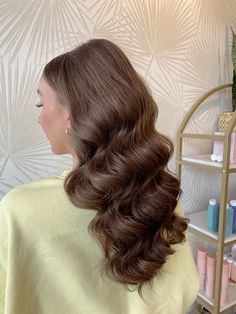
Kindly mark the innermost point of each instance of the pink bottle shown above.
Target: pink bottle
(230, 261)
(218, 147)
(224, 284)
(233, 271)
(201, 266)
(210, 275)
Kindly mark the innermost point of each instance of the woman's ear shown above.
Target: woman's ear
(66, 115)
(68, 124)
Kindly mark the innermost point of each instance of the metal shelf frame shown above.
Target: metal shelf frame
(225, 171)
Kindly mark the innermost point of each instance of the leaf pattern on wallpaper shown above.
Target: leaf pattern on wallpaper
(102, 17)
(160, 30)
(24, 151)
(46, 27)
(194, 183)
(230, 12)
(208, 56)
(103, 14)
(205, 68)
(211, 17)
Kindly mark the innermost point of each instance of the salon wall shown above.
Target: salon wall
(182, 49)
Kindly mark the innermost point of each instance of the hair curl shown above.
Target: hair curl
(122, 172)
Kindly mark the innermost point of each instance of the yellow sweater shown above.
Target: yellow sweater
(50, 264)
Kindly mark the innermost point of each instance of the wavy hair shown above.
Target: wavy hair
(122, 171)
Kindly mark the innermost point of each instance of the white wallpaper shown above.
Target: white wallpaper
(181, 47)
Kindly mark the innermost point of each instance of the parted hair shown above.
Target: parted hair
(122, 172)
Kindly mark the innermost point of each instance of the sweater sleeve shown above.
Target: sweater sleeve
(4, 240)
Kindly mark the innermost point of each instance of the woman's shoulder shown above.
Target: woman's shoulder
(33, 194)
(19, 192)
(38, 203)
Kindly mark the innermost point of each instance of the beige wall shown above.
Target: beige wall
(181, 47)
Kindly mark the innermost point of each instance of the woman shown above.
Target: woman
(107, 236)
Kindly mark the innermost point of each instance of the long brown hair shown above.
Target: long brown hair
(122, 171)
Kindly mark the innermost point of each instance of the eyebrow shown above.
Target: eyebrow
(39, 92)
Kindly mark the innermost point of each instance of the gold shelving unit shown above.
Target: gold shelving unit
(198, 221)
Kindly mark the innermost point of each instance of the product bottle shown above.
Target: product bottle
(228, 221)
(230, 261)
(233, 272)
(213, 216)
(210, 275)
(233, 252)
(224, 285)
(201, 266)
(233, 205)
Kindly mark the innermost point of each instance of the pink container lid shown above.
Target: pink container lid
(201, 253)
(211, 260)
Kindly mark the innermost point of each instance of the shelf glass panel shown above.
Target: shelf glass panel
(198, 222)
(205, 159)
(231, 301)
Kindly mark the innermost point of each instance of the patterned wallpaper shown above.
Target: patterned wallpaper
(181, 48)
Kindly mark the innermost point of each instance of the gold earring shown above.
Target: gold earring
(68, 131)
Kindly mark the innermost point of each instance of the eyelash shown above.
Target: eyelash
(39, 105)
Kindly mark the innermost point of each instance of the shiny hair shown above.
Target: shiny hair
(122, 171)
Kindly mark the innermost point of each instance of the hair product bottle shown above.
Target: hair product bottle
(224, 285)
(233, 272)
(210, 275)
(230, 261)
(233, 205)
(213, 216)
(201, 266)
(228, 221)
(233, 252)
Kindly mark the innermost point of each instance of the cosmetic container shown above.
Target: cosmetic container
(230, 261)
(233, 252)
(233, 205)
(228, 221)
(233, 272)
(213, 157)
(218, 147)
(210, 275)
(213, 216)
(224, 284)
(201, 266)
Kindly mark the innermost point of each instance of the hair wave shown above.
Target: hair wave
(122, 172)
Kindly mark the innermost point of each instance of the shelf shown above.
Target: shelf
(198, 221)
(230, 302)
(203, 136)
(198, 226)
(204, 161)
